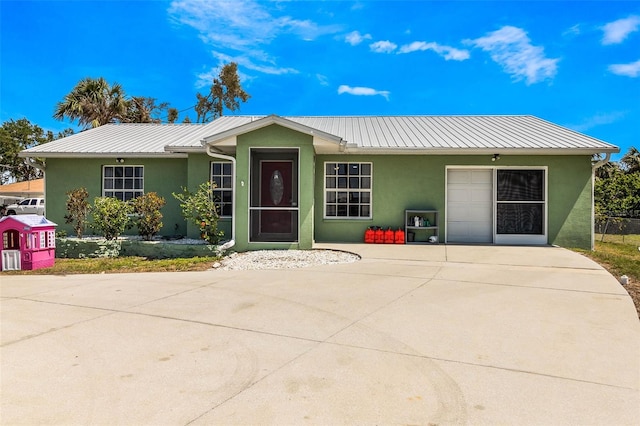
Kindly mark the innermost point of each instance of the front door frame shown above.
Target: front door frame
(257, 156)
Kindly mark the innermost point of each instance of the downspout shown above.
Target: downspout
(232, 241)
(595, 167)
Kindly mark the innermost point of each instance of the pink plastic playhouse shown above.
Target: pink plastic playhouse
(28, 242)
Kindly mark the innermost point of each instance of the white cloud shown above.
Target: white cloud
(447, 52)
(204, 79)
(512, 49)
(598, 120)
(323, 79)
(354, 38)
(629, 70)
(617, 31)
(242, 29)
(384, 46)
(362, 91)
(573, 31)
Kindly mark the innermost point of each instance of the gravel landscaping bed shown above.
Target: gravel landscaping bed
(283, 259)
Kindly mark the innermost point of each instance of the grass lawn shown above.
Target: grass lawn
(120, 265)
(622, 239)
(620, 259)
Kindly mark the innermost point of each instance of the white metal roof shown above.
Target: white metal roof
(141, 140)
(361, 134)
(456, 134)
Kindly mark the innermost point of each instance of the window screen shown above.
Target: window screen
(520, 206)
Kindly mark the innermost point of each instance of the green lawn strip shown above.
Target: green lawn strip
(633, 239)
(121, 265)
(619, 259)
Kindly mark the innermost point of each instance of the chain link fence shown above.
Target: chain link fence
(618, 229)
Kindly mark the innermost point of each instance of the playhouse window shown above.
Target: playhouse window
(51, 239)
(11, 240)
(43, 239)
(222, 177)
(123, 182)
(347, 190)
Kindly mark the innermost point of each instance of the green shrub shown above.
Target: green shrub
(200, 209)
(148, 217)
(77, 209)
(110, 216)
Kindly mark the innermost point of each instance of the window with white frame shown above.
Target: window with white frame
(222, 177)
(43, 239)
(347, 190)
(51, 239)
(520, 206)
(123, 182)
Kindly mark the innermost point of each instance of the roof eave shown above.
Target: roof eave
(479, 151)
(25, 154)
(184, 149)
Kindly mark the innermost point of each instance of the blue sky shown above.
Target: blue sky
(574, 63)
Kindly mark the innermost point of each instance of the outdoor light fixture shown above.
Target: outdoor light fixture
(495, 157)
(119, 160)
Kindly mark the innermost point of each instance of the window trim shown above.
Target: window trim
(369, 190)
(223, 189)
(123, 190)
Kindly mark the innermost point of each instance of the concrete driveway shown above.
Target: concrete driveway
(408, 335)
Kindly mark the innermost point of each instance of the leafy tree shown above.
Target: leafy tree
(15, 136)
(225, 92)
(617, 188)
(631, 161)
(93, 102)
(110, 216)
(142, 109)
(607, 170)
(200, 209)
(172, 115)
(149, 218)
(77, 209)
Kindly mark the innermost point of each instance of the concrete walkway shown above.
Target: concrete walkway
(408, 335)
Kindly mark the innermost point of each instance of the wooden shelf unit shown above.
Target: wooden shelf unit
(421, 234)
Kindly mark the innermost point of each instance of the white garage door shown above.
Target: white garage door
(469, 206)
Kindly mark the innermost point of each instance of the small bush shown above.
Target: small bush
(77, 209)
(110, 216)
(148, 217)
(200, 209)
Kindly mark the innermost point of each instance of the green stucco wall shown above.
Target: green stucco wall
(418, 182)
(162, 176)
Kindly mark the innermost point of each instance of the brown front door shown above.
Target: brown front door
(276, 197)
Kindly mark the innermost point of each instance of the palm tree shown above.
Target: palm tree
(607, 170)
(93, 102)
(631, 160)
